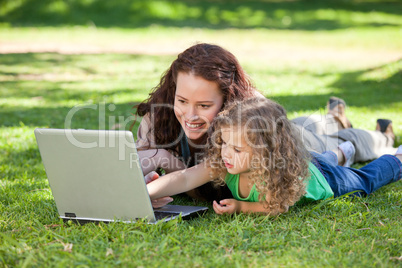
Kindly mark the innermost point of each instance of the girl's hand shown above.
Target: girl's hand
(160, 202)
(226, 206)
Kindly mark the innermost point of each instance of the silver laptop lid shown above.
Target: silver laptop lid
(94, 174)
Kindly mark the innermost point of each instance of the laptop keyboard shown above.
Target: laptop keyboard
(164, 214)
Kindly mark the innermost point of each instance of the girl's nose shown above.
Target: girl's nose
(225, 153)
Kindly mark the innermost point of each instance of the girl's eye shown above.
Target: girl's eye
(205, 106)
(237, 150)
(181, 101)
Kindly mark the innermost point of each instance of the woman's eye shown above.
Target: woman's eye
(237, 150)
(205, 106)
(181, 101)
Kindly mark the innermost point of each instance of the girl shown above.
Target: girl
(252, 148)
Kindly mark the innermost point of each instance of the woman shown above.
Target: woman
(180, 109)
(178, 112)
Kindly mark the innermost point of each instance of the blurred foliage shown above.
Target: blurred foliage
(302, 14)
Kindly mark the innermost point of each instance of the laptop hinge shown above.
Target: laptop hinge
(70, 215)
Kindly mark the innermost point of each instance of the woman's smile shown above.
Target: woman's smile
(194, 126)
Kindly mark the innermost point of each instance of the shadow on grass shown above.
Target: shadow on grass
(362, 88)
(92, 116)
(369, 88)
(294, 15)
(50, 92)
(376, 88)
(41, 62)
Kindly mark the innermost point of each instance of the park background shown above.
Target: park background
(55, 55)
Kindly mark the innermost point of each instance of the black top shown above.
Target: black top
(208, 191)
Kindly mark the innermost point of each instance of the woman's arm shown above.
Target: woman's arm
(152, 159)
(179, 181)
(230, 206)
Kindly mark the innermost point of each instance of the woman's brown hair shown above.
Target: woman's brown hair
(210, 62)
(279, 162)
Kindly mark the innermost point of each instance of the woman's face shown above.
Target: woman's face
(197, 102)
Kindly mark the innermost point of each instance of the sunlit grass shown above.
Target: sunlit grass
(298, 53)
(344, 232)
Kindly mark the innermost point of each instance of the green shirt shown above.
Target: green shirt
(317, 187)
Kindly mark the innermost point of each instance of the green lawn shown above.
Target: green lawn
(297, 52)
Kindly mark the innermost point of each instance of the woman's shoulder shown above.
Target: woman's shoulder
(145, 139)
(258, 94)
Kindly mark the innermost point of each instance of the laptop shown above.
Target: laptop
(95, 176)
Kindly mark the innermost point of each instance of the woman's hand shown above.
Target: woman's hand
(159, 158)
(160, 202)
(151, 176)
(226, 206)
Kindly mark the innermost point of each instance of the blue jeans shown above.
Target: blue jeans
(343, 180)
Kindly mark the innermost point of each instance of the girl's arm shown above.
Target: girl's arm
(230, 206)
(179, 181)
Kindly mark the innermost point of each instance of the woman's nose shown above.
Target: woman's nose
(191, 114)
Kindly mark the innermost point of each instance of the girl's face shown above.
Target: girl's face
(236, 152)
(196, 103)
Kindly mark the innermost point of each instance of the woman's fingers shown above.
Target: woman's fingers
(151, 176)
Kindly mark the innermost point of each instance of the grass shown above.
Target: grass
(350, 49)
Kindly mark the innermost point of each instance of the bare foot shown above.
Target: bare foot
(336, 107)
(385, 126)
(398, 153)
(346, 153)
(341, 157)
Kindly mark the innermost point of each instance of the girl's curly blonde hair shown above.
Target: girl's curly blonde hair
(279, 164)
